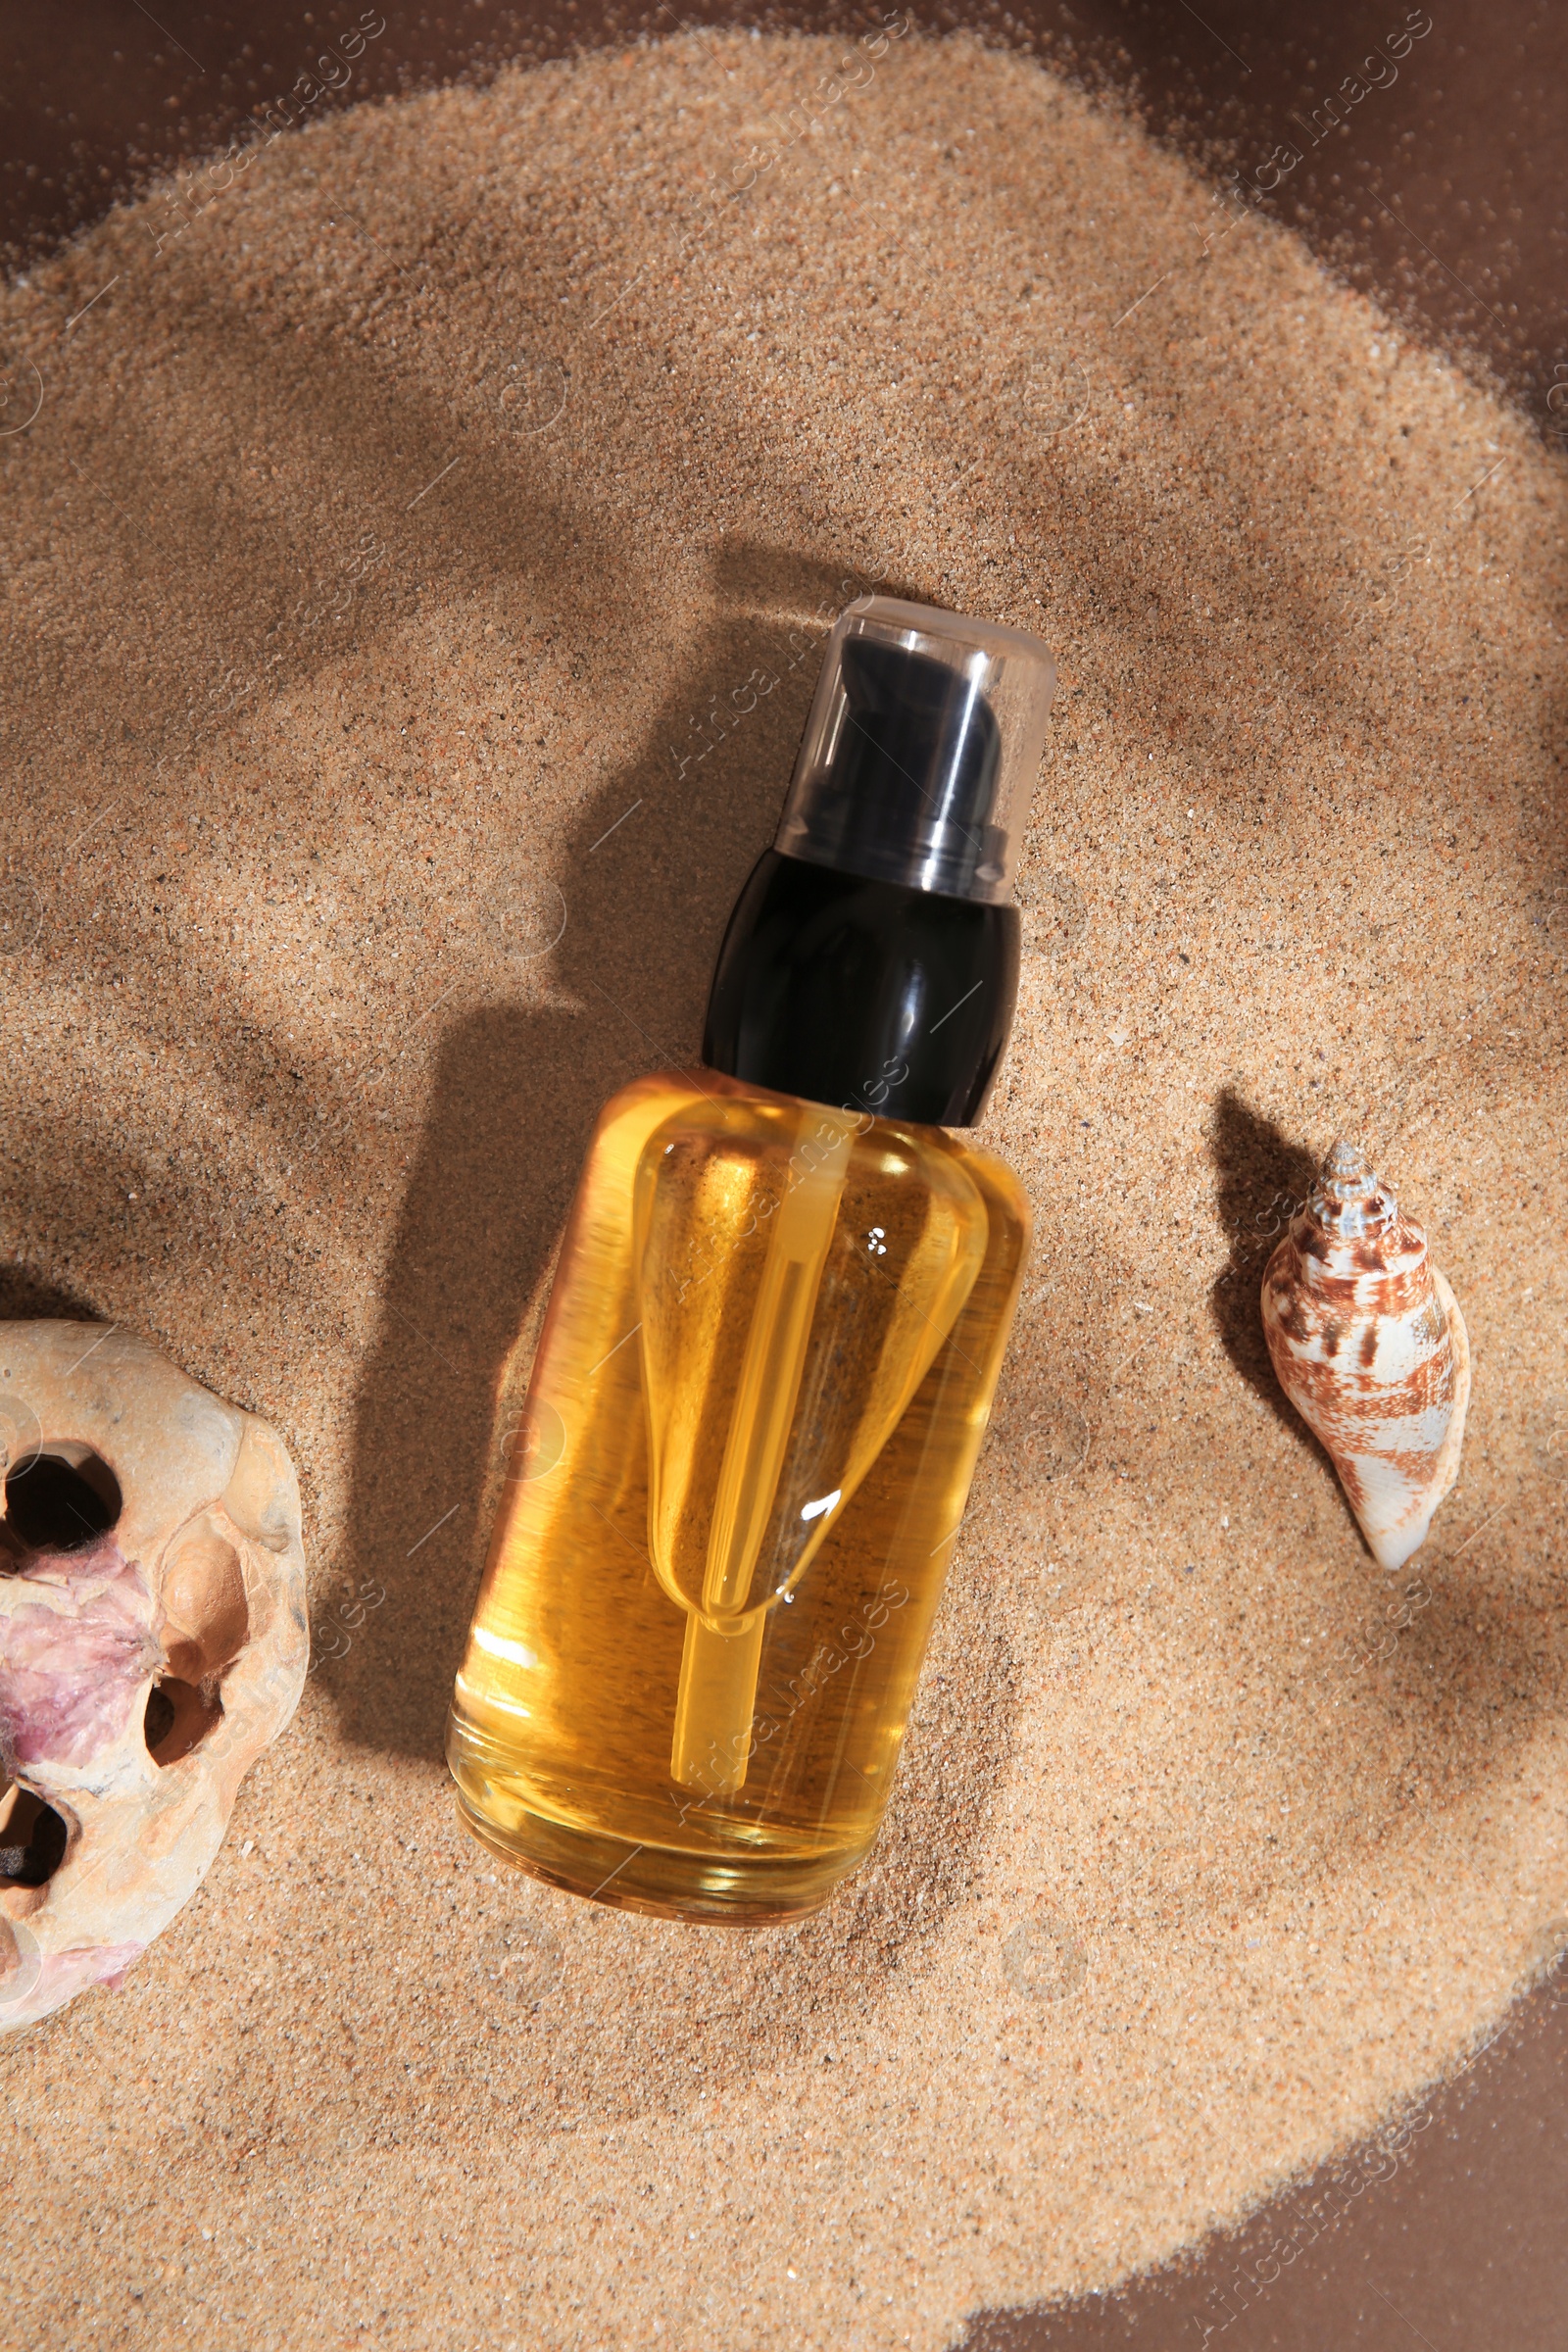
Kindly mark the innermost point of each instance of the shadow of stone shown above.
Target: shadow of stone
(28, 1297)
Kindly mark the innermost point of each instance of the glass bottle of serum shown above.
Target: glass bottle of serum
(769, 1353)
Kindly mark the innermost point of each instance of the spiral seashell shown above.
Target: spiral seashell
(1370, 1348)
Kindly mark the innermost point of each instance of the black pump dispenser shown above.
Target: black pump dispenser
(914, 762)
(872, 957)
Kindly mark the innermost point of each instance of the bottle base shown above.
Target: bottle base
(760, 1891)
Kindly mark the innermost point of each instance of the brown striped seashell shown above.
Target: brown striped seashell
(1370, 1348)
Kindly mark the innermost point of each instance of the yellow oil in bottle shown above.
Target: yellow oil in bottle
(768, 1363)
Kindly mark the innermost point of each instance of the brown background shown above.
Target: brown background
(1447, 201)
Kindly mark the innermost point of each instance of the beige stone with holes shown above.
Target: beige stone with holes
(153, 1641)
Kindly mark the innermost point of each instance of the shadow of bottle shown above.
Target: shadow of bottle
(647, 874)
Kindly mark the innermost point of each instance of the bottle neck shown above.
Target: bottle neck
(862, 992)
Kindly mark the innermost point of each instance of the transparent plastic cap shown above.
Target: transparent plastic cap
(920, 757)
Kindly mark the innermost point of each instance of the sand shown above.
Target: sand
(423, 507)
